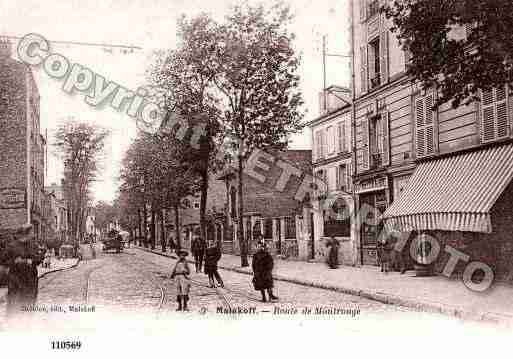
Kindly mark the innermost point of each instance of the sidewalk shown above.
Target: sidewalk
(432, 294)
(56, 265)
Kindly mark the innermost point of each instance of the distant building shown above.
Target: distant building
(60, 209)
(274, 212)
(22, 149)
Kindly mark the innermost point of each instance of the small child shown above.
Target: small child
(181, 271)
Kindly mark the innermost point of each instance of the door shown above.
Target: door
(370, 229)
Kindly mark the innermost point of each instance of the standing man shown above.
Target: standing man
(198, 251)
(22, 258)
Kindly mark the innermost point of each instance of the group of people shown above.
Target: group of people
(206, 257)
(21, 256)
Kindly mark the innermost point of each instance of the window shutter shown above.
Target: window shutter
(407, 58)
(420, 142)
(337, 179)
(363, 68)
(385, 122)
(429, 123)
(424, 126)
(325, 139)
(339, 135)
(363, 6)
(383, 56)
(494, 114)
(349, 174)
(502, 112)
(365, 144)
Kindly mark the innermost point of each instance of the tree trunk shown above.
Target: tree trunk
(139, 235)
(203, 202)
(162, 231)
(145, 228)
(153, 227)
(177, 229)
(240, 229)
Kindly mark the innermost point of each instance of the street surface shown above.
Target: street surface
(133, 288)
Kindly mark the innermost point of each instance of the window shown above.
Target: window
(376, 140)
(290, 228)
(196, 205)
(424, 125)
(342, 177)
(268, 228)
(494, 114)
(374, 63)
(320, 144)
(337, 221)
(342, 138)
(331, 139)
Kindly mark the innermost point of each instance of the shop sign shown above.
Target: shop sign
(375, 184)
(12, 198)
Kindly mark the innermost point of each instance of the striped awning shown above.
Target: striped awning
(453, 193)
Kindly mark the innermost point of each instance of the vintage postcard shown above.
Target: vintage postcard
(256, 177)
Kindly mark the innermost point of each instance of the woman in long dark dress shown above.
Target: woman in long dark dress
(262, 272)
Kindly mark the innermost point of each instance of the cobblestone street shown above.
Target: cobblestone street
(133, 287)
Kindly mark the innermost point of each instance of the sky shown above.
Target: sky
(151, 25)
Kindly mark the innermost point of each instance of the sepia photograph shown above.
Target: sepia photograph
(256, 177)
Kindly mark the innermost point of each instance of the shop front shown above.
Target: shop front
(465, 202)
(373, 202)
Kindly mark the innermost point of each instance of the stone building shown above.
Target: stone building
(22, 149)
(333, 208)
(444, 173)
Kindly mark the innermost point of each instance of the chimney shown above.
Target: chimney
(5, 48)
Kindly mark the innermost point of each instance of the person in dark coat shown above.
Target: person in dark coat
(263, 264)
(21, 256)
(212, 256)
(333, 253)
(198, 251)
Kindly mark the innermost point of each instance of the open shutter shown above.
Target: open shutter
(385, 121)
(487, 116)
(501, 106)
(425, 126)
(337, 178)
(420, 136)
(494, 114)
(341, 136)
(383, 56)
(407, 58)
(363, 68)
(429, 124)
(365, 144)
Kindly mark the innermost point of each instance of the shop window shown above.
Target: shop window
(337, 221)
(290, 228)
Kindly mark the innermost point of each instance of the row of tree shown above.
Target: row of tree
(237, 79)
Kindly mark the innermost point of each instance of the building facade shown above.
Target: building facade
(274, 212)
(420, 170)
(22, 152)
(333, 206)
(61, 211)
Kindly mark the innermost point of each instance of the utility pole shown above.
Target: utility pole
(324, 56)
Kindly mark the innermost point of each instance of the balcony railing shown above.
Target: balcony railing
(377, 160)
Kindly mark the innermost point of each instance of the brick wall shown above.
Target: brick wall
(13, 145)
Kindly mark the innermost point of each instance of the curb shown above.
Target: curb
(39, 276)
(430, 307)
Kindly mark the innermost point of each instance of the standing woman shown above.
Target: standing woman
(181, 271)
(212, 256)
(262, 271)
